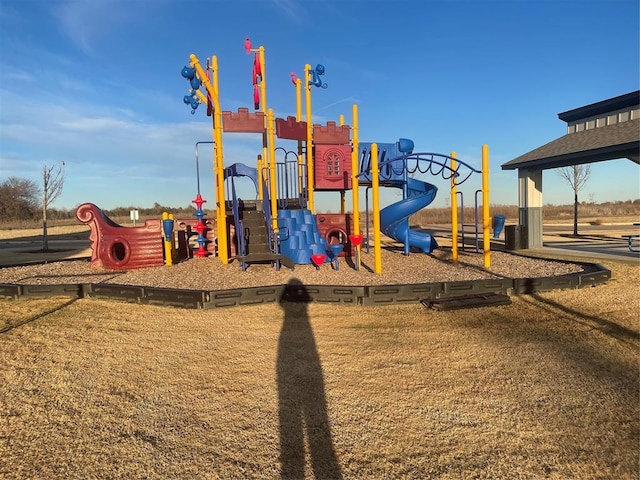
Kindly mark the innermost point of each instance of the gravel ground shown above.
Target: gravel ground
(210, 274)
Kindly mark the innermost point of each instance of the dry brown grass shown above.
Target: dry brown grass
(544, 388)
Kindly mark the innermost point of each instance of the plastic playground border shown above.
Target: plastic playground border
(593, 274)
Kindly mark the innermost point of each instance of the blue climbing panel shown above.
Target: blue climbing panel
(299, 236)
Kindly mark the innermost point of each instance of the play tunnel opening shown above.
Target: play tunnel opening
(118, 251)
(336, 237)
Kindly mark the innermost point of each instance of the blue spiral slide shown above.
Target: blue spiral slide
(394, 219)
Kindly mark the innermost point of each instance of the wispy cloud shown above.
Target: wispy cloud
(86, 22)
(292, 9)
(15, 74)
(113, 154)
(349, 99)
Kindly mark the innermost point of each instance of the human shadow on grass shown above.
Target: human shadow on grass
(9, 327)
(605, 326)
(301, 394)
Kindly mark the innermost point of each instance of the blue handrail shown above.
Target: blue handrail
(238, 225)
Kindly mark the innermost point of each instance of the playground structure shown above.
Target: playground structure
(278, 225)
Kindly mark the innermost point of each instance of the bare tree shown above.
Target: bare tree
(52, 183)
(19, 198)
(576, 176)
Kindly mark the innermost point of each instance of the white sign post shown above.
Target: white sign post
(134, 216)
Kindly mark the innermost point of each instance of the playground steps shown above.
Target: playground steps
(300, 237)
(267, 258)
(255, 232)
(468, 301)
(256, 236)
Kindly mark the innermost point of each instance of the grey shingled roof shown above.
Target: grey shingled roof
(602, 107)
(621, 140)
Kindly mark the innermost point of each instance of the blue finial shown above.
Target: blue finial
(319, 70)
(188, 72)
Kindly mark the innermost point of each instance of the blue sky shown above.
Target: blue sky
(96, 84)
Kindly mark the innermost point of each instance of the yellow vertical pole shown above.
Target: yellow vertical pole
(298, 100)
(454, 210)
(266, 149)
(263, 80)
(172, 241)
(355, 181)
(375, 186)
(486, 224)
(310, 171)
(168, 241)
(221, 226)
(218, 154)
(260, 166)
(343, 206)
(298, 119)
(272, 172)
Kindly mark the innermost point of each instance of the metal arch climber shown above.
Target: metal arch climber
(423, 163)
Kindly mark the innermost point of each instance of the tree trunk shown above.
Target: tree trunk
(575, 215)
(45, 238)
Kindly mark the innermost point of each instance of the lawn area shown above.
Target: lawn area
(546, 387)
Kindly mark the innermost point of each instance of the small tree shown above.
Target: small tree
(576, 176)
(52, 183)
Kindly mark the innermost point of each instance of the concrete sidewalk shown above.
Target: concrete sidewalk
(602, 242)
(27, 253)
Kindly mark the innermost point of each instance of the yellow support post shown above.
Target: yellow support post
(259, 166)
(310, 172)
(454, 211)
(343, 201)
(355, 181)
(375, 186)
(486, 224)
(218, 156)
(267, 149)
(273, 194)
(298, 100)
(263, 80)
(298, 119)
(168, 241)
(221, 210)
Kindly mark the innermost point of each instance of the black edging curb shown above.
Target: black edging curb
(593, 274)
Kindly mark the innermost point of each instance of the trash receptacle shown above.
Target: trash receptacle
(498, 225)
(515, 237)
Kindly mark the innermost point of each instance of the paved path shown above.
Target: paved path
(603, 242)
(596, 241)
(25, 252)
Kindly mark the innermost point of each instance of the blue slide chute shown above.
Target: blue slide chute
(394, 219)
